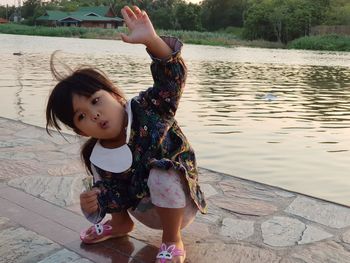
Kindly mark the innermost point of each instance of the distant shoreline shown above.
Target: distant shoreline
(331, 43)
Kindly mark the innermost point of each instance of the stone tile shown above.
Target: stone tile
(313, 234)
(4, 220)
(74, 221)
(14, 168)
(195, 232)
(17, 155)
(284, 194)
(229, 253)
(146, 234)
(323, 252)
(30, 148)
(18, 142)
(14, 125)
(233, 189)
(62, 191)
(72, 167)
(71, 148)
(212, 216)
(29, 132)
(133, 248)
(64, 256)
(208, 176)
(246, 206)
(237, 229)
(3, 121)
(285, 231)
(47, 156)
(57, 138)
(346, 237)
(208, 190)
(328, 214)
(4, 131)
(6, 223)
(100, 253)
(21, 245)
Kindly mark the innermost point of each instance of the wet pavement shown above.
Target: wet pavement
(40, 218)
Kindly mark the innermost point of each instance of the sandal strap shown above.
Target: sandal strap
(98, 229)
(166, 253)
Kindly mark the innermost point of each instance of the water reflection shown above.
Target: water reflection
(279, 117)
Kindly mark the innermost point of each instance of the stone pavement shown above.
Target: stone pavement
(40, 219)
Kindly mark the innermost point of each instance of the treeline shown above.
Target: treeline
(272, 20)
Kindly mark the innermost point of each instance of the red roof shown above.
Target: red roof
(3, 20)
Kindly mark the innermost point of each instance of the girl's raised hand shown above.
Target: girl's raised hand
(140, 26)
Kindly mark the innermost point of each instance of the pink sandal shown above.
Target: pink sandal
(167, 253)
(98, 233)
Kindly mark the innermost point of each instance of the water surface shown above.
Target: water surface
(280, 117)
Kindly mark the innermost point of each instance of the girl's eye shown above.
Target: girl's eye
(81, 116)
(95, 100)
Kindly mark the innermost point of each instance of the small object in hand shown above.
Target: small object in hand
(88, 182)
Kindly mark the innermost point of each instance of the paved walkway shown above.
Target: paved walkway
(40, 219)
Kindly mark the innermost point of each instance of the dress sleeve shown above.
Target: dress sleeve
(169, 75)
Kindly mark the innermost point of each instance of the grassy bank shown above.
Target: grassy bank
(328, 42)
(223, 38)
(80, 32)
(191, 37)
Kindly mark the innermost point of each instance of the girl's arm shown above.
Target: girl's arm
(168, 69)
(142, 32)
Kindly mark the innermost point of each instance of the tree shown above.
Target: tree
(338, 13)
(283, 20)
(218, 14)
(188, 16)
(7, 11)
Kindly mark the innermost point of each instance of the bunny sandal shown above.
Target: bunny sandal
(98, 233)
(166, 254)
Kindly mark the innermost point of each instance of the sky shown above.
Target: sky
(15, 2)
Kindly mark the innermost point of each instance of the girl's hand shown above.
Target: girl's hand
(140, 26)
(88, 201)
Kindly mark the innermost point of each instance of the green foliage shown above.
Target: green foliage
(329, 42)
(283, 20)
(338, 13)
(188, 16)
(6, 12)
(280, 21)
(217, 14)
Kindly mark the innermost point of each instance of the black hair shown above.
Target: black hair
(83, 81)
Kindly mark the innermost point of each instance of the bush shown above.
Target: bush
(327, 42)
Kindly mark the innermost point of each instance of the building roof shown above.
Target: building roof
(3, 20)
(93, 13)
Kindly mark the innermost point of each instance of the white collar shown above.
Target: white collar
(128, 128)
(114, 160)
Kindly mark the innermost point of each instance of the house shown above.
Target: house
(97, 16)
(3, 21)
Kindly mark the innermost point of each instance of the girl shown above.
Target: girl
(140, 160)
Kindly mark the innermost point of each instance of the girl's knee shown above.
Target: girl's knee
(166, 189)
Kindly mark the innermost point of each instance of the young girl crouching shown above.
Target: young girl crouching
(141, 162)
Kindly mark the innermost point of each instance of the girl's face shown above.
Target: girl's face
(100, 116)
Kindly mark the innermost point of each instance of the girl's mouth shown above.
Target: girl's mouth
(104, 124)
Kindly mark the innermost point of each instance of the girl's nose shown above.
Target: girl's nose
(95, 116)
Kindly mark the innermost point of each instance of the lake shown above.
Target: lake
(280, 117)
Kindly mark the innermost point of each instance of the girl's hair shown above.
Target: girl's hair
(83, 81)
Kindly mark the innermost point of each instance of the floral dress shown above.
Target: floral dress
(156, 140)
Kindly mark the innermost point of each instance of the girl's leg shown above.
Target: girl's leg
(171, 219)
(121, 223)
(170, 198)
